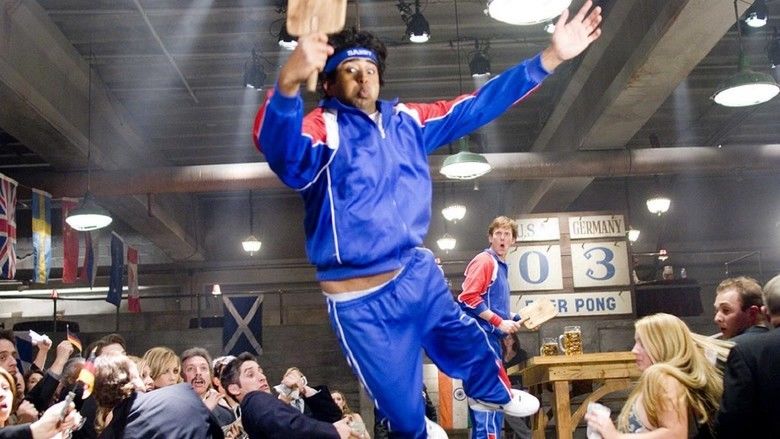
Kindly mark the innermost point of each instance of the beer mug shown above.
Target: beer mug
(549, 347)
(570, 342)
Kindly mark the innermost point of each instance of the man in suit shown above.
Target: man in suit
(738, 304)
(751, 383)
(266, 417)
(314, 402)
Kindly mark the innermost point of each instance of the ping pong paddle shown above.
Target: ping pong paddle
(308, 16)
(537, 313)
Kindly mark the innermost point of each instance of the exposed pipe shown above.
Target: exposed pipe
(506, 166)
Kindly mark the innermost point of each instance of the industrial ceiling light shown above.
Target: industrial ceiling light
(446, 242)
(254, 73)
(746, 87)
(287, 41)
(525, 12)
(479, 65)
(418, 29)
(658, 205)
(251, 244)
(454, 212)
(663, 255)
(757, 14)
(549, 27)
(216, 291)
(465, 165)
(633, 234)
(88, 215)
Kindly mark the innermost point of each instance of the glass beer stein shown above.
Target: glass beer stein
(549, 347)
(570, 341)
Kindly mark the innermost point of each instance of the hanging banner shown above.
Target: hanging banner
(70, 244)
(597, 226)
(133, 297)
(535, 268)
(592, 303)
(538, 229)
(41, 234)
(117, 270)
(243, 325)
(600, 264)
(7, 227)
(448, 396)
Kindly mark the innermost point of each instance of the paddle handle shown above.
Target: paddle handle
(311, 81)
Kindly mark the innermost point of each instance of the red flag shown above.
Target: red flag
(133, 298)
(70, 244)
(7, 227)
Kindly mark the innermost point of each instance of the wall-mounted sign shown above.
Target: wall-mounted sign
(581, 304)
(597, 226)
(599, 264)
(535, 268)
(538, 229)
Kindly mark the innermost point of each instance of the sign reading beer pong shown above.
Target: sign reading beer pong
(581, 304)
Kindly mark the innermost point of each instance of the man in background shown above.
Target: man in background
(738, 304)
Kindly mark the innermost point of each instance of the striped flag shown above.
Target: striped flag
(41, 231)
(133, 298)
(449, 398)
(7, 227)
(70, 244)
(89, 268)
(117, 270)
(73, 338)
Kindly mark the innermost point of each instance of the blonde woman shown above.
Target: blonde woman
(164, 366)
(679, 390)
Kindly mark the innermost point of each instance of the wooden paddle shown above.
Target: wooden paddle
(308, 16)
(537, 313)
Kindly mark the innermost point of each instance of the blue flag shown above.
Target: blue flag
(117, 270)
(243, 325)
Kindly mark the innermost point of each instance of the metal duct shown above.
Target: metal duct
(506, 166)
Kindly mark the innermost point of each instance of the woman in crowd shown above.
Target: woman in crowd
(31, 378)
(164, 366)
(46, 427)
(144, 371)
(341, 401)
(679, 390)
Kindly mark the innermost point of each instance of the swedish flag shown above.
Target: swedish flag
(41, 227)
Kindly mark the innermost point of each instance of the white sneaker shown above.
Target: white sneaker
(434, 430)
(521, 405)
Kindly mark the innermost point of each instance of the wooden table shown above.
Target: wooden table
(615, 371)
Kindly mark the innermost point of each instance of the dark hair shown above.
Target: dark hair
(98, 345)
(113, 380)
(232, 370)
(352, 37)
(7, 334)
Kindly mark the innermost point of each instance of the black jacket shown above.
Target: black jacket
(751, 384)
(266, 417)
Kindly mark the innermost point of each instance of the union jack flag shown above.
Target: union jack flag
(7, 227)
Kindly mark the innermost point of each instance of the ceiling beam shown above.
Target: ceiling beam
(48, 97)
(647, 48)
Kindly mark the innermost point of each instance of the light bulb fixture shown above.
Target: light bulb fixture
(251, 244)
(757, 14)
(254, 73)
(633, 234)
(417, 28)
(454, 212)
(446, 242)
(746, 87)
(549, 27)
(479, 65)
(658, 205)
(525, 12)
(216, 291)
(465, 165)
(287, 41)
(88, 216)
(663, 255)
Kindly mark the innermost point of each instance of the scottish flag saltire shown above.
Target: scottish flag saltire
(117, 270)
(7, 227)
(41, 231)
(242, 330)
(89, 267)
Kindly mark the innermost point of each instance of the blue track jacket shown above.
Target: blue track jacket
(366, 187)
